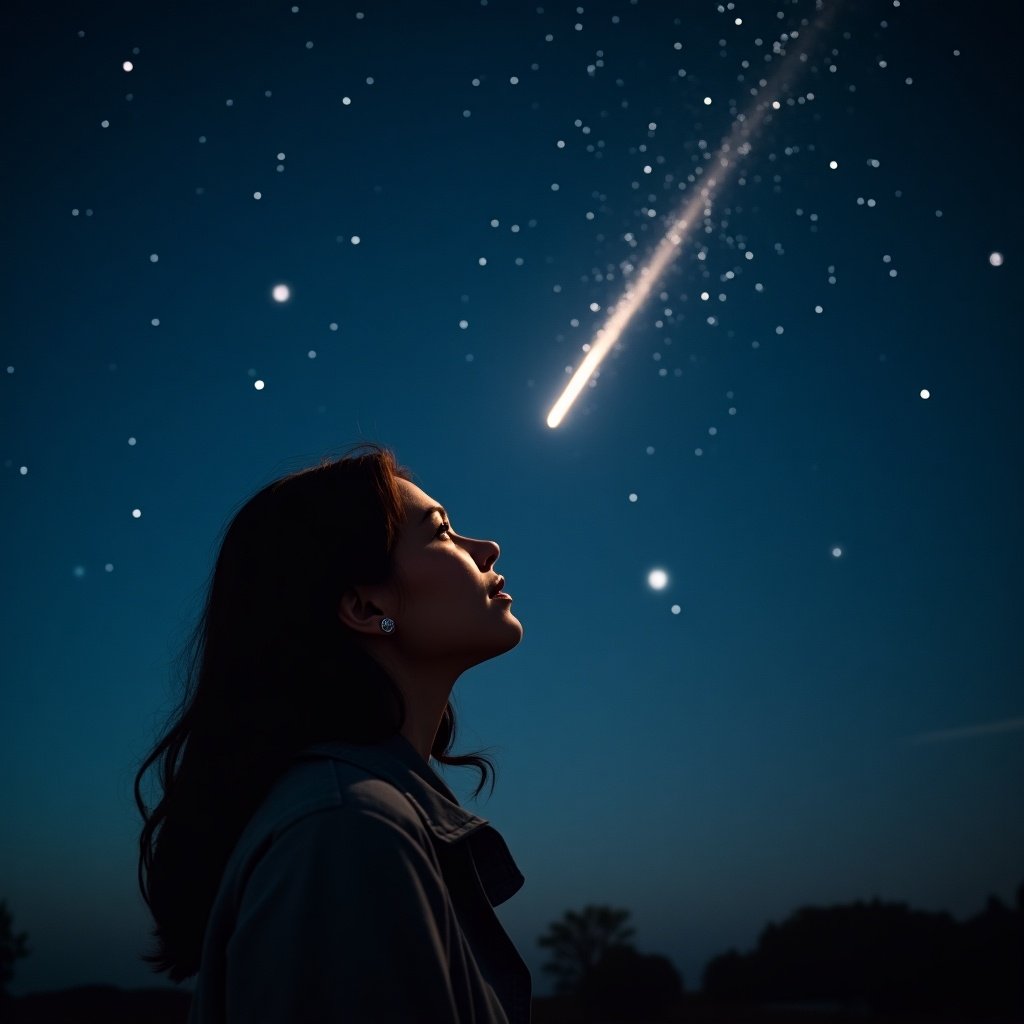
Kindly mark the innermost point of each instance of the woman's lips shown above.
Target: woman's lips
(501, 595)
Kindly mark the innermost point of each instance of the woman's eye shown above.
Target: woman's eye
(443, 528)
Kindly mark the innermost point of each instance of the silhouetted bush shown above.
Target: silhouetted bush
(12, 947)
(626, 985)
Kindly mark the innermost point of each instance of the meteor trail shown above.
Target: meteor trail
(733, 148)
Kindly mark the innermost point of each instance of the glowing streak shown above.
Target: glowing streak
(735, 146)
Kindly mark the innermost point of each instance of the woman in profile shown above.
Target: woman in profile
(310, 865)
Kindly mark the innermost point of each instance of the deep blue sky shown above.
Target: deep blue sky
(824, 703)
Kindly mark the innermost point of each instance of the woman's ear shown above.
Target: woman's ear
(357, 610)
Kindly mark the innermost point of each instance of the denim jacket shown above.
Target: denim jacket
(359, 892)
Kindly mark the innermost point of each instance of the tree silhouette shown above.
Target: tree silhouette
(580, 940)
(11, 948)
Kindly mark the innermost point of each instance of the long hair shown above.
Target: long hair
(269, 669)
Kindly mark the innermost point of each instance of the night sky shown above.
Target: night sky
(279, 230)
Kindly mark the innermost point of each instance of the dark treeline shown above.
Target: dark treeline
(880, 959)
(885, 956)
(876, 959)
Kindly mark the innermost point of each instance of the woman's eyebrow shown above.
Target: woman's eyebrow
(434, 508)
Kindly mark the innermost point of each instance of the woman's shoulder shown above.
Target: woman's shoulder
(359, 821)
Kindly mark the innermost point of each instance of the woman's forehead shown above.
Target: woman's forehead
(417, 501)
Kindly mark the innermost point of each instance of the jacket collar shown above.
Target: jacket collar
(397, 761)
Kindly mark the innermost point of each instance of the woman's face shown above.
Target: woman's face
(449, 616)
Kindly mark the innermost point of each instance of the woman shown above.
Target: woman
(310, 864)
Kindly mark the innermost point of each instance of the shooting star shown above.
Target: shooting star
(967, 731)
(734, 147)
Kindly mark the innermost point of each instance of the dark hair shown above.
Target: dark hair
(269, 669)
